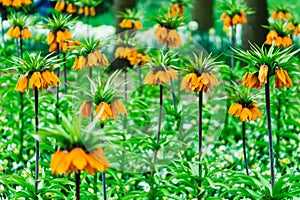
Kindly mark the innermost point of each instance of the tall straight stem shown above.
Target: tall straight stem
(57, 89)
(77, 180)
(104, 185)
(173, 93)
(200, 102)
(65, 74)
(267, 87)
(244, 146)
(233, 43)
(159, 122)
(37, 145)
(22, 108)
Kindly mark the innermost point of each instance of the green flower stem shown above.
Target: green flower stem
(244, 147)
(159, 122)
(104, 185)
(267, 93)
(57, 88)
(65, 74)
(279, 104)
(22, 109)
(173, 93)
(233, 43)
(77, 179)
(140, 80)
(37, 145)
(200, 103)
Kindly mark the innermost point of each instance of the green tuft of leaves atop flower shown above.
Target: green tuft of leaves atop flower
(72, 133)
(19, 19)
(103, 90)
(184, 2)
(87, 45)
(33, 62)
(272, 57)
(241, 94)
(164, 19)
(280, 26)
(233, 7)
(160, 60)
(131, 14)
(89, 3)
(59, 22)
(200, 64)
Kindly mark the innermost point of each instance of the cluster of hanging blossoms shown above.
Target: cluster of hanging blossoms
(161, 69)
(267, 63)
(59, 36)
(105, 97)
(166, 30)
(19, 26)
(88, 55)
(16, 3)
(199, 77)
(130, 19)
(37, 71)
(132, 55)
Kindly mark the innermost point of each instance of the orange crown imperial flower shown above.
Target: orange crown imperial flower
(177, 9)
(110, 110)
(93, 59)
(64, 162)
(251, 80)
(43, 80)
(169, 36)
(280, 41)
(281, 15)
(130, 24)
(17, 32)
(282, 78)
(160, 76)
(22, 84)
(250, 112)
(60, 5)
(16, 3)
(237, 18)
(196, 83)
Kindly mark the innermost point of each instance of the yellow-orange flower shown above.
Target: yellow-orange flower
(238, 18)
(43, 80)
(250, 112)
(262, 74)
(160, 76)
(282, 78)
(60, 6)
(71, 8)
(251, 80)
(36, 80)
(22, 84)
(50, 78)
(174, 39)
(280, 15)
(171, 37)
(16, 3)
(193, 82)
(117, 107)
(162, 34)
(86, 109)
(64, 162)
(92, 11)
(177, 9)
(93, 59)
(279, 41)
(104, 110)
(26, 33)
(60, 37)
(129, 24)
